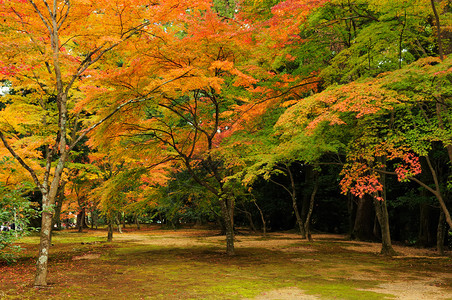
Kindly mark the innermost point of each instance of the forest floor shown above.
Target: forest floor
(154, 263)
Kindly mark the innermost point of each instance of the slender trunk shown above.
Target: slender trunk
(264, 226)
(381, 210)
(441, 233)
(59, 205)
(48, 201)
(293, 195)
(86, 222)
(383, 219)
(137, 222)
(438, 29)
(437, 192)
(231, 206)
(306, 199)
(249, 216)
(311, 206)
(44, 245)
(92, 219)
(110, 231)
(118, 224)
(229, 227)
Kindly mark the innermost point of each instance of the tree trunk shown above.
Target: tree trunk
(48, 201)
(110, 230)
(264, 226)
(118, 223)
(363, 227)
(81, 220)
(305, 203)
(86, 222)
(383, 219)
(441, 233)
(59, 205)
(311, 206)
(249, 216)
(293, 195)
(44, 245)
(93, 218)
(137, 222)
(225, 204)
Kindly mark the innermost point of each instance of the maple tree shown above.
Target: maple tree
(48, 49)
(359, 106)
(185, 123)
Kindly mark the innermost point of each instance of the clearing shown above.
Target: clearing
(154, 263)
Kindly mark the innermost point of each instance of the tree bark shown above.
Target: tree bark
(225, 203)
(110, 231)
(383, 219)
(81, 220)
(59, 204)
(44, 245)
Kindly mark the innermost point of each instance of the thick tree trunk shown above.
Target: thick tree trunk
(81, 220)
(225, 203)
(363, 227)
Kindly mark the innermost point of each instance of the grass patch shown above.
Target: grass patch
(159, 266)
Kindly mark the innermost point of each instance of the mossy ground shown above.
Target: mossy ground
(191, 264)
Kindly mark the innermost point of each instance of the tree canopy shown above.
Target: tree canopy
(125, 106)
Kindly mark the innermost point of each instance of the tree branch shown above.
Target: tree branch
(21, 161)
